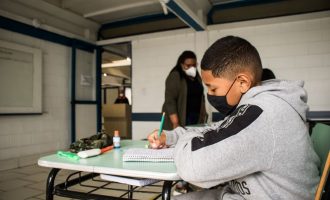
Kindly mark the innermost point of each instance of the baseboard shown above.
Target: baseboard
(23, 161)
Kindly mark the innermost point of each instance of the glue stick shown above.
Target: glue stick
(116, 139)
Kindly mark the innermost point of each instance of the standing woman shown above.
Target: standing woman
(184, 98)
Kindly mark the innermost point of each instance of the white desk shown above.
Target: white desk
(111, 163)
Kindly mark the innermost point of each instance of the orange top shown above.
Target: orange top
(116, 133)
(105, 149)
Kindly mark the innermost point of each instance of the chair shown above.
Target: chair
(323, 190)
(321, 142)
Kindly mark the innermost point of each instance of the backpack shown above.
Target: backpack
(100, 140)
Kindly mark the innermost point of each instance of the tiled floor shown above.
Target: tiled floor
(30, 183)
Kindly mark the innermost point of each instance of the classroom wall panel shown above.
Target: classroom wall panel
(294, 50)
(25, 136)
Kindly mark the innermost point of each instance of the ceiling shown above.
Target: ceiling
(121, 75)
(119, 18)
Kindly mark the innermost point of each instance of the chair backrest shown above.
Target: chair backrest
(321, 142)
(323, 190)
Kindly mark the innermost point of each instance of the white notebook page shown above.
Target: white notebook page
(149, 155)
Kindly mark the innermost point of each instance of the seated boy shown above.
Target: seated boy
(262, 149)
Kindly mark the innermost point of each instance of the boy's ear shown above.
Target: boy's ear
(245, 82)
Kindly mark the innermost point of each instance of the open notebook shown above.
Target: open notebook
(149, 155)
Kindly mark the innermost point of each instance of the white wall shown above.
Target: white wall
(294, 47)
(24, 138)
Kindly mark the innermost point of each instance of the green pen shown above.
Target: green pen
(67, 154)
(161, 125)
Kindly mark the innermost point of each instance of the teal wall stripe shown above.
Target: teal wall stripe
(146, 116)
(73, 94)
(151, 117)
(29, 30)
(98, 89)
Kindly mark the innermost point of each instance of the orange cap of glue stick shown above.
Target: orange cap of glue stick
(105, 149)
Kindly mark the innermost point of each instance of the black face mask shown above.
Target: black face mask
(220, 102)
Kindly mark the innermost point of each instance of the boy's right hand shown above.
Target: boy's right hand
(156, 142)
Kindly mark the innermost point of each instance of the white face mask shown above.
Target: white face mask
(191, 71)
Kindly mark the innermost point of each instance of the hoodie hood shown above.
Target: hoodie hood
(291, 92)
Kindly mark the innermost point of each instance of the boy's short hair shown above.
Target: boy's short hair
(231, 55)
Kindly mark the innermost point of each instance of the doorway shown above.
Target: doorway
(117, 89)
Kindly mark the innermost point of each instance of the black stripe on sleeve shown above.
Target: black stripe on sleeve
(241, 118)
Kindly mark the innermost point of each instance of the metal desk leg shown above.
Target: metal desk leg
(50, 183)
(166, 193)
(130, 191)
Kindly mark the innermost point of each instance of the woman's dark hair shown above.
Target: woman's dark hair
(185, 55)
(230, 55)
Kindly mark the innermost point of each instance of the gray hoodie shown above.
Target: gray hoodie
(262, 149)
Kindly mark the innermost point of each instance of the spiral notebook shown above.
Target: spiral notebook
(149, 155)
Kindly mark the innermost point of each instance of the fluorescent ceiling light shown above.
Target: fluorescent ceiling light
(118, 63)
